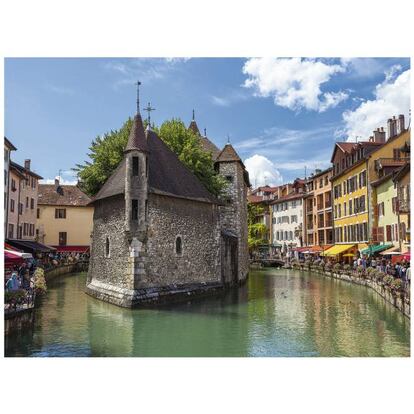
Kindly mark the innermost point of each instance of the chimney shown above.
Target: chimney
(391, 127)
(379, 135)
(27, 164)
(400, 124)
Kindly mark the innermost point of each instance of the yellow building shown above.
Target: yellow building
(356, 166)
(385, 159)
(64, 217)
(350, 192)
(385, 212)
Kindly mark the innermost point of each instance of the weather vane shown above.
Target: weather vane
(137, 84)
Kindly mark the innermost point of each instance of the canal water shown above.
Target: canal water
(278, 313)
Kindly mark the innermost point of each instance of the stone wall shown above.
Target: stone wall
(400, 302)
(59, 271)
(233, 214)
(198, 226)
(109, 222)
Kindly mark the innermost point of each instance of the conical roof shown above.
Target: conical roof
(137, 139)
(228, 153)
(194, 127)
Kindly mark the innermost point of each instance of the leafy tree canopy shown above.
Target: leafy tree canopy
(256, 230)
(106, 153)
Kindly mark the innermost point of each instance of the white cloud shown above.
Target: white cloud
(262, 171)
(294, 83)
(229, 98)
(392, 97)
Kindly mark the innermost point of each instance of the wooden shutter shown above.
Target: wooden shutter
(389, 230)
(375, 234)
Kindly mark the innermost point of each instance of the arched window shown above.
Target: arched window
(107, 247)
(178, 246)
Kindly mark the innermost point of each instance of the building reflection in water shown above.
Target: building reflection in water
(278, 313)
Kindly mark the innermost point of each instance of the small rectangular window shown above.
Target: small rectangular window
(135, 166)
(62, 238)
(229, 178)
(134, 209)
(60, 213)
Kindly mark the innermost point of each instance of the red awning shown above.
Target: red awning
(11, 258)
(72, 249)
(300, 249)
(7, 246)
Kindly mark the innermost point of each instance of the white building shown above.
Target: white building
(287, 219)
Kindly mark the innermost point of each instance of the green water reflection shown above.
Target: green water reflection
(278, 313)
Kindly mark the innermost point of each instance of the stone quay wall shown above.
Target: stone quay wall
(60, 270)
(400, 302)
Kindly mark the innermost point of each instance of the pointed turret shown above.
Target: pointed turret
(193, 126)
(137, 140)
(228, 154)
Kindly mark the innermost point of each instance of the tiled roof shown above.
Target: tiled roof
(251, 198)
(137, 140)
(23, 170)
(167, 175)
(291, 196)
(193, 127)
(228, 154)
(209, 146)
(62, 195)
(9, 144)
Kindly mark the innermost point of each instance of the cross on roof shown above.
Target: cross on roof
(149, 109)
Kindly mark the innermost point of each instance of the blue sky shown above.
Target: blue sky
(281, 114)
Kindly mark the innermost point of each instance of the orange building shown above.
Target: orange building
(318, 209)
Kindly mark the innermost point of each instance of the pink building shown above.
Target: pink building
(23, 195)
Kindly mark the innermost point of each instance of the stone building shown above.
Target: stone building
(158, 234)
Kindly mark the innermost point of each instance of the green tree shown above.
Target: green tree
(186, 144)
(256, 231)
(106, 153)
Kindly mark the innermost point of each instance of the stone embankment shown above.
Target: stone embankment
(22, 317)
(400, 300)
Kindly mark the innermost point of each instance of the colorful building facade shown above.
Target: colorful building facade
(318, 209)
